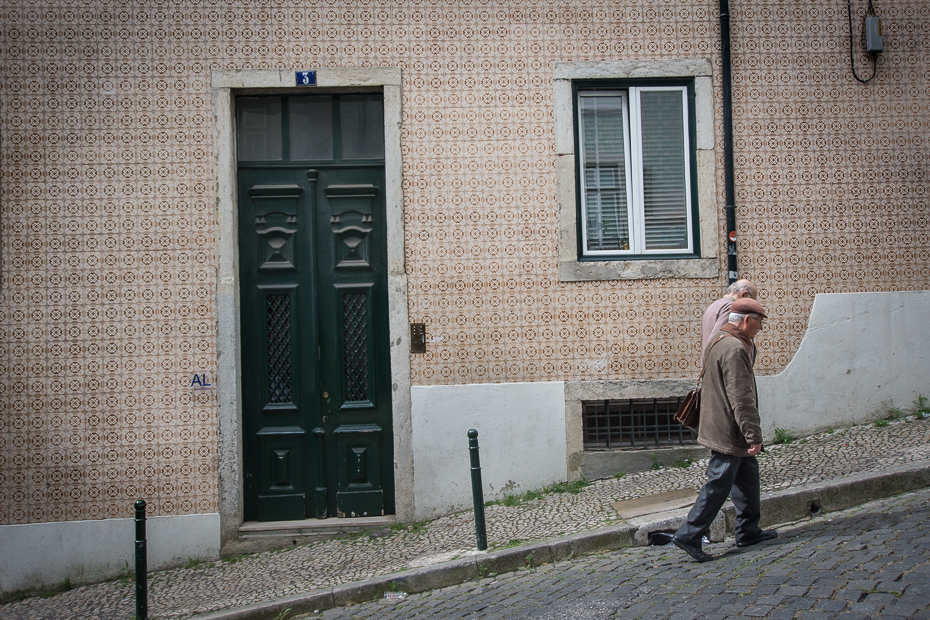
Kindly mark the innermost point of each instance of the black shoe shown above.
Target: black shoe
(694, 551)
(763, 535)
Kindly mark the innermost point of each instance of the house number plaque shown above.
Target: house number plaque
(306, 78)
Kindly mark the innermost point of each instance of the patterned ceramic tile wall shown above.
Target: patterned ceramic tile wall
(108, 228)
(106, 308)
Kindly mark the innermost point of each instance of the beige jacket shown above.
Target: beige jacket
(729, 404)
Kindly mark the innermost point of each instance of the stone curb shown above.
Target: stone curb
(777, 507)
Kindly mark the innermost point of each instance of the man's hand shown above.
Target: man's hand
(755, 449)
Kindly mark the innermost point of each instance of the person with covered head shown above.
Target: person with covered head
(730, 427)
(718, 313)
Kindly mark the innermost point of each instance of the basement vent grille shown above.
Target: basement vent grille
(613, 424)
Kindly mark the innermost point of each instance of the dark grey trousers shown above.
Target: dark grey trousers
(736, 477)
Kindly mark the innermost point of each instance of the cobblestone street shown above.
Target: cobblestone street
(868, 562)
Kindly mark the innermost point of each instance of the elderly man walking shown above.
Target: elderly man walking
(731, 428)
(718, 313)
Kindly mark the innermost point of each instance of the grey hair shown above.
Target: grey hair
(740, 286)
(736, 317)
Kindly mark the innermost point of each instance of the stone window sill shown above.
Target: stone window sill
(575, 271)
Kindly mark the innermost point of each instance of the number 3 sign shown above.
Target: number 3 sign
(306, 78)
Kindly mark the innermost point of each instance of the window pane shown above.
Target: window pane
(665, 189)
(604, 188)
(362, 122)
(259, 128)
(311, 122)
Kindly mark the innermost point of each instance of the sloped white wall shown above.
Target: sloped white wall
(862, 353)
(521, 436)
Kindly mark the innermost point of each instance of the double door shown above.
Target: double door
(314, 311)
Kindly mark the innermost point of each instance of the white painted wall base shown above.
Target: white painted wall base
(521, 435)
(43, 555)
(862, 353)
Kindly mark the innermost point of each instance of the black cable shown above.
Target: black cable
(852, 62)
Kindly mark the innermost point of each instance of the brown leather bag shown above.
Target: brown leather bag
(689, 412)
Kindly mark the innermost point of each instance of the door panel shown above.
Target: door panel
(281, 495)
(360, 493)
(314, 314)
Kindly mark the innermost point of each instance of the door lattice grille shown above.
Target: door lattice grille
(355, 330)
(278, 317)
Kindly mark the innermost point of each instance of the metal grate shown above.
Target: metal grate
(633, 424)
(355, 325)
(278, 316)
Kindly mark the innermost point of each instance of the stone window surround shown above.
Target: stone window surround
(225, 85)
(570, 268)
(578, 391)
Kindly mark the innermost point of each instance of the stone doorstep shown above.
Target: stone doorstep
(314, 527)
(777, 507)
(259, 537)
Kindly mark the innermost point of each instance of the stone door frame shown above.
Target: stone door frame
(225, 85)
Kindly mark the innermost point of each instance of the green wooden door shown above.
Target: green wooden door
(313, 292)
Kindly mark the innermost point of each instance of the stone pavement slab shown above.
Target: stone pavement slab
(651, 504)
(826, 472)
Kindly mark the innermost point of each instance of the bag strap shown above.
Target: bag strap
(704, 362)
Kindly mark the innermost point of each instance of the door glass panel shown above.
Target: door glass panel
(311, 121)
(278, 317)
(355, 333)
(362, 125)
(259, 128)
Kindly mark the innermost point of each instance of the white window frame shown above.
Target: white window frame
(627, 170)
(633, 148)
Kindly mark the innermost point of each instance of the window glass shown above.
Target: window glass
(362, 126)
(604, 185)
(665, 182)
(635, 171)
(311, 127)
(259, 128)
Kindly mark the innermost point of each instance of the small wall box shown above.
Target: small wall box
(874, 43)
(418, 337)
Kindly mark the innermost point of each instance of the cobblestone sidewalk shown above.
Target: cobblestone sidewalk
(233, 582)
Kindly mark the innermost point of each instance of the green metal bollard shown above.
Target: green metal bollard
(142, 592)
(476, 490)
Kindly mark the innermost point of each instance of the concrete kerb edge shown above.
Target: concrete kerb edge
(777, 507)
(839, 494)
(319, 600)
(513, 559)
(595, 541)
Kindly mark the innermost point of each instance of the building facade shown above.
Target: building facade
(268, 260)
